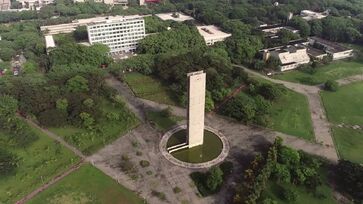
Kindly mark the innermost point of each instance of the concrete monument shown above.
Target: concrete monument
(196, 104)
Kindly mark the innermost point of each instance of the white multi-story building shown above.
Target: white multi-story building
(120, 33)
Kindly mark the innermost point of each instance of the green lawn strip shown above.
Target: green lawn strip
(349, 143)
(87, 185)
(39, 163)
(345, 105)
(335, 70)
(149, 88)
(291, 115)
(162, 121)
(112, 129)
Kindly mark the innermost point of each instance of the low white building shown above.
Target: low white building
(4, 5)
(290, 57)
(49, 42)
(176, 16)
(311, 15)
(34, 4)
(120, 34)
(212, 34)
(110, 2)
(335, 50)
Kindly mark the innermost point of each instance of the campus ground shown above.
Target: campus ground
(39, 163)
(336, 70)
(87, 185)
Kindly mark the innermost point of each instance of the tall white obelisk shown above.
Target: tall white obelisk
(196, 105)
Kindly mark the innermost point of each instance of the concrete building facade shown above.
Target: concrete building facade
(196, 106)
(34, 4)
(120, 34)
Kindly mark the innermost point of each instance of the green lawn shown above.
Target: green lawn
(162, 121)
(291, 115)
(335, 70)
(149, 88)
(39, 163)
(349, 143)
(345, 105)
(108, 130)
(87, 185)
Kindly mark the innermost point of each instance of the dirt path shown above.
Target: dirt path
(350, 80)
(51, 182)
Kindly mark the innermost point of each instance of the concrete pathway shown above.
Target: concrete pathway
(351, 79)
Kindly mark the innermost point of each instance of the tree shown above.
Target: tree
(316, 27)
(350, 179)
(89, 103)
(241, 107)
(8, 106)
(271, 92)
(6, 53)
(62, 104)
(87, 120)
(53, 118)
(288, 156)
(300, 24)
(209, 103)
(8, 162)
(214, 178)
(81, 34)
(77, 84)
(331, 85)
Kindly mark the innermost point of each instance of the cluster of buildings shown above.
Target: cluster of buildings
(300, 52)
(122, 33)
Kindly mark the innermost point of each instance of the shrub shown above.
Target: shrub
(214, 178)
(227, 168)
(289, 195)
(8, 162)
(176, 189)
(158, 194)
(144, 163)
(331, 85)
(53, 118)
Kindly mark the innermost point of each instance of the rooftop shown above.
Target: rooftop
(311, 15)
(330, 46)
(179, 17)
(315, 52)
(49, 41)
(212, 32)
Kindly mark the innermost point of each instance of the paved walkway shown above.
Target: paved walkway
(350, 80)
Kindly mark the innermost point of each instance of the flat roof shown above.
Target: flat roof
(330, 46)
(49, 41)
(315, 52)
(211, 32)
(169, 16)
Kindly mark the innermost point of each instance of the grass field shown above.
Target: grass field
(335, 70)
(39, 163)
(291, 115)
(90, 141)
(87, 185)
(345, 105)
(149, 88)
(162, 120)
(349, 143)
